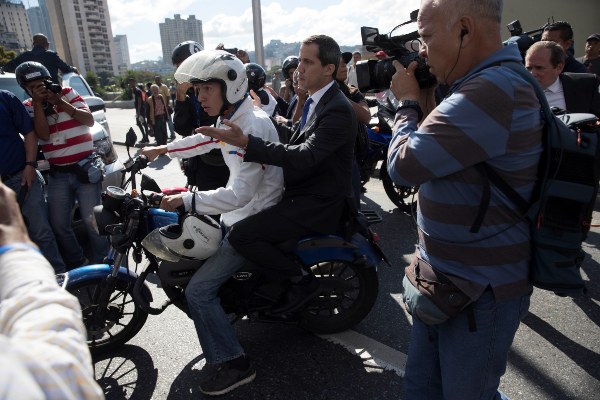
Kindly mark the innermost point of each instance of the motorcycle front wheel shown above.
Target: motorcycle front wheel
(348, 293)
(403, 197)
(123, 318)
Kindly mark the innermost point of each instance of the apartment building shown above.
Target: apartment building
(122, 54)
(15, 32)
(176, 30)
(83, 34)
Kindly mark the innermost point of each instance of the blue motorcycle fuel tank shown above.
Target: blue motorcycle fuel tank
(158, 218)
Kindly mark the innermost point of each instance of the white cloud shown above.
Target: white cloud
(132, 13)
(232, 25)
(145, 51)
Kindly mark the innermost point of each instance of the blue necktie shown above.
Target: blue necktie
(305, 111)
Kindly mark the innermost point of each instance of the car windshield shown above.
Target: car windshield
(77, 83)
(11, 85)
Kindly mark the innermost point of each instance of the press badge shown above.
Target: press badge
(59, 138)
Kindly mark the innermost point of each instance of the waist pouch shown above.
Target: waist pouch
(433, 297)
(90, 169)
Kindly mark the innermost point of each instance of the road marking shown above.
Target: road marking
(375, 355)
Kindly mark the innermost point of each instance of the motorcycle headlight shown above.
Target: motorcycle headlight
(105, 149)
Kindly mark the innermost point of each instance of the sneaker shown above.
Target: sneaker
(226, 378)
(298, 295)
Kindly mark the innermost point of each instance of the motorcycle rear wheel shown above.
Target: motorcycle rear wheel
(123, 320)
(403, 197)
(349, 292)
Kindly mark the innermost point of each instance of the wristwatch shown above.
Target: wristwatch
(410, 104)
(31, 163)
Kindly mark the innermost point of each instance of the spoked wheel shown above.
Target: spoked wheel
(122, 321)
(348, 294)
(404, 197)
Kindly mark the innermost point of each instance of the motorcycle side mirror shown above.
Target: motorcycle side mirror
(130, 138)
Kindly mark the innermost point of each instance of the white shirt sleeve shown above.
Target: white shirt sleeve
(193, 145)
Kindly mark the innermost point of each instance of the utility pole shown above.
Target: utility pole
(258, 37)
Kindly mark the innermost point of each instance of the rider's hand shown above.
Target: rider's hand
(234, 136)
(12, 227)
(170, 203)
(281, 120)
(182, 90)
(153, 152)
(53, 98)
(255, 99)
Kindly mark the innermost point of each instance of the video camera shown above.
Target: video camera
(374, 75)
(523, 39)
(53, 87)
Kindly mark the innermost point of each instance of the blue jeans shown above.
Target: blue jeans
(35, 213)
(63, 189)
(449, 362)
(217, 337)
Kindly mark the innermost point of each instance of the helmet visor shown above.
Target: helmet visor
(154, 244)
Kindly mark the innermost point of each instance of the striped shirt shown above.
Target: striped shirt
(43, 350)
(70, 140)
(492, 115)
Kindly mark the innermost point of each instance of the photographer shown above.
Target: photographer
(491, 115)
(62, 119)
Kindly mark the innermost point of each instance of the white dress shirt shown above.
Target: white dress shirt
(555, 95)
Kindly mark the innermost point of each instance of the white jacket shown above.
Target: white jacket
(251, 187)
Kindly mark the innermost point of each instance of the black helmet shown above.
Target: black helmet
(31, 71)
(183, 50)
(289, 62)
(256, 76)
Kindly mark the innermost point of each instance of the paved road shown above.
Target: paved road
(555, 355)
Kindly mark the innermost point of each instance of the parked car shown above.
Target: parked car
(100, 131)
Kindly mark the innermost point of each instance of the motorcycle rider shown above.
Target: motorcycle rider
(206, 171)
(221, 82)
(257, 78)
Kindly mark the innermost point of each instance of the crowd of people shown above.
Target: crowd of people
(275, 163)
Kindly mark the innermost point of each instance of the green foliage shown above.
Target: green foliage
(6, 55)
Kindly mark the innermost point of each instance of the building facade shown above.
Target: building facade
(83, 34)
(15, 32)
(177, 30)
(122, 54)
(39, 22)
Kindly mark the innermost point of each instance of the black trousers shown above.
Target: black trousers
(256, 239)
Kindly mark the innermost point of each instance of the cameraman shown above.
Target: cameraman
(491, 115)
(62, 121)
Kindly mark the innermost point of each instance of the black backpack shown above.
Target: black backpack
(560, 212)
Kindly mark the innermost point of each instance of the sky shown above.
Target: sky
(230, 21)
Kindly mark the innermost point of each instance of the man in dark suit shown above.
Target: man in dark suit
(317, 167)
(575, 93)
(40, 53)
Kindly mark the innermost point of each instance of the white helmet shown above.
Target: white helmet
(197, 237)
(216, 66)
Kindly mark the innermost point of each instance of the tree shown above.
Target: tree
(6, 55)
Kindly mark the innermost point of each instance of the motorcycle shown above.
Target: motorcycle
(379, 137)
(116, 301)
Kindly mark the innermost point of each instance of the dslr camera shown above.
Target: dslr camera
(374, 75)
(53, 87)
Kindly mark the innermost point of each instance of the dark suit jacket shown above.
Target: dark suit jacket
(47, 58)
(317, 163)
(581, 93)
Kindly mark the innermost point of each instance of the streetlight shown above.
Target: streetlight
(258, 37)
